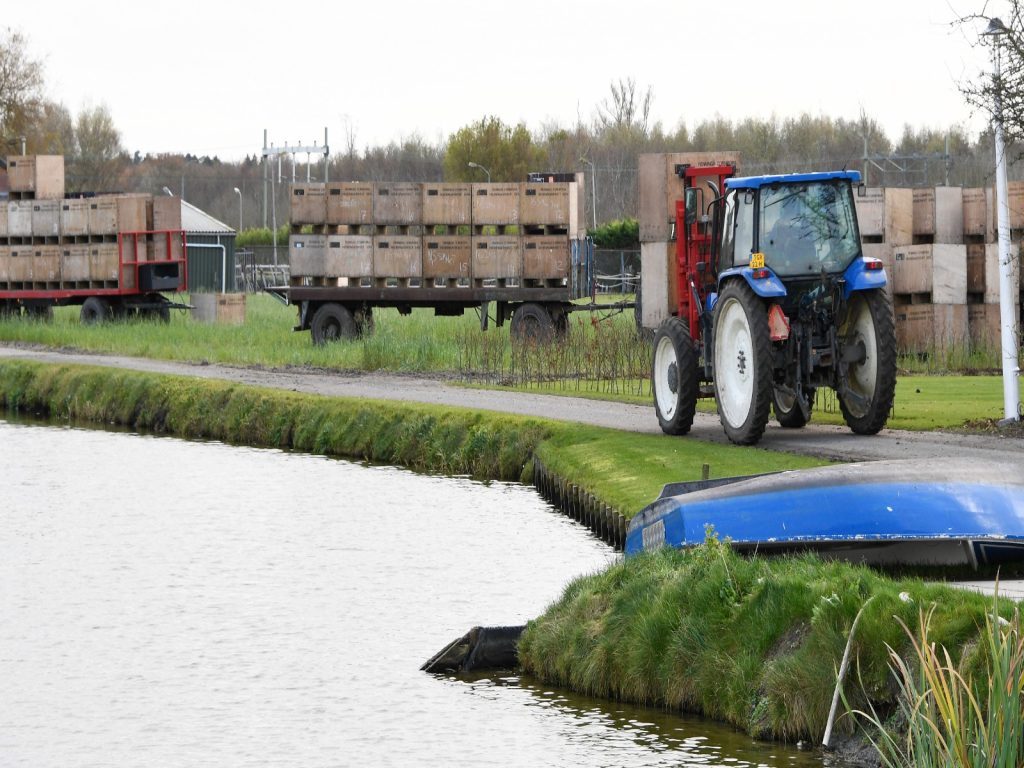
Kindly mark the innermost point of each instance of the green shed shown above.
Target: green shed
(210, 249)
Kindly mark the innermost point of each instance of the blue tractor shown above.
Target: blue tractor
(774, 299)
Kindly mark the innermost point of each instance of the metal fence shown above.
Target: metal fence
(256, 269)
(617, 271)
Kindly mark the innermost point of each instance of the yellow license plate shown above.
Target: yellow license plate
(757, 261)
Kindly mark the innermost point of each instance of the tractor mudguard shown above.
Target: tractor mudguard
(768, 287)
(858, 277)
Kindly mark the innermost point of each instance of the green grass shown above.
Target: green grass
(754, 642)
(601, 358)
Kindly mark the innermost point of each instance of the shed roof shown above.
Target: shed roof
(195, 220)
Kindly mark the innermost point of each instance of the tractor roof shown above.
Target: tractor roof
(756, 182)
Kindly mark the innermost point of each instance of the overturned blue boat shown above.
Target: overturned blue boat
(888, 513)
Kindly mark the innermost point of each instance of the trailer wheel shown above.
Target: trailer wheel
(675, 378)
(94, 311)
(332, 322)
(742, 363)
(532, 323)
(871, 375)
(787, 412)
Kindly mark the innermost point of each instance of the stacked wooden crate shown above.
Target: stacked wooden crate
(980, 236)
(659, 189)
(48, 242)
(929, 276)
(411, 235)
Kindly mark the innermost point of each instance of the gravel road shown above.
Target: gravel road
(819, 440)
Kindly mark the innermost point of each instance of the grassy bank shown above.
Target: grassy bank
(624, 470)
(753, 642)
(600, 358)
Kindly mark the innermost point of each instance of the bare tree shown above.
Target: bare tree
(625, 108)
(982, 91)
(97, 161)
(21, 87)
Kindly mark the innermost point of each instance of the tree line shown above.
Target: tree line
(604, 147)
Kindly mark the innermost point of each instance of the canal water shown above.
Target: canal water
(175, 603)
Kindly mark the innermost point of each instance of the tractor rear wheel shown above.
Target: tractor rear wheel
(675, 378)
(742, 363)
(788, 412)
(868, 336)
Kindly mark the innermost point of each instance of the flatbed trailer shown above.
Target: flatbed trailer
(116, 289)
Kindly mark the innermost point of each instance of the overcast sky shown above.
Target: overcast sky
(209, 77)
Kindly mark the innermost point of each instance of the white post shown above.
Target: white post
(1007, 290)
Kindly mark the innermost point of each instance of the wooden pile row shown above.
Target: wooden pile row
(537, 208)
(430, 260)
(938, 246)
(85, 220)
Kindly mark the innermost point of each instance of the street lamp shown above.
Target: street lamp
(168, 192)
(593, 187)
(239, 193)
(1007, 317)
(477, 165)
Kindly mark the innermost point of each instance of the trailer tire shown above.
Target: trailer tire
(742, 363)
(95, 311)
(532, 323)
(787, 413)
(871, 381)
(332, 322)
(675, 377)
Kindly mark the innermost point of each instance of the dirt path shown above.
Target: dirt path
(815, 440)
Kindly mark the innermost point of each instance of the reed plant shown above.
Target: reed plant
(966, 714)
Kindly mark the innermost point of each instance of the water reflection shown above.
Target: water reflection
(179, 603)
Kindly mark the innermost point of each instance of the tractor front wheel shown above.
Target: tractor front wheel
(868, 338)
(675, 378)
(788, 412)
(742, 363)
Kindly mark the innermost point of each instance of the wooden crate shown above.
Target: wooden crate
(552, 204)
(3, 220)
(308, 204)
(497, 256)
(222, 308)
(930, 327)
(74, 263)
(349, 256)
(132, 212)
(983, 270)
(157, 248)
(397, 204)
(5, 263)
(939, 214)
(398, 256)
(977, 213)
(103, 215)
(45, 218)
(19, 218)
(306, 254)
(103, 262)
(885, 214)
(545, 257)
(46, 264)
(496, 204)
(20, 263)
(74, 218)
(448, 204)
(659, 187)
(657, 283)
(884, 253)
(984, 323)
(349, 203)
(166, 213)
(41, 175)
(447, 256)
(1015, 199)
(939, 269)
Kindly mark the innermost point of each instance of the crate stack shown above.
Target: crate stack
(444, 235)
(50, 243)
(980, 236)
(659, 189)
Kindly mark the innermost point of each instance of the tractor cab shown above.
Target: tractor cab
(801, 224)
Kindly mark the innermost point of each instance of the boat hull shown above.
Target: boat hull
(893, 513)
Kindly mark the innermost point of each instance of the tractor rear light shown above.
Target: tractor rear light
(760, 274)
(872, 265)
(778, 323)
